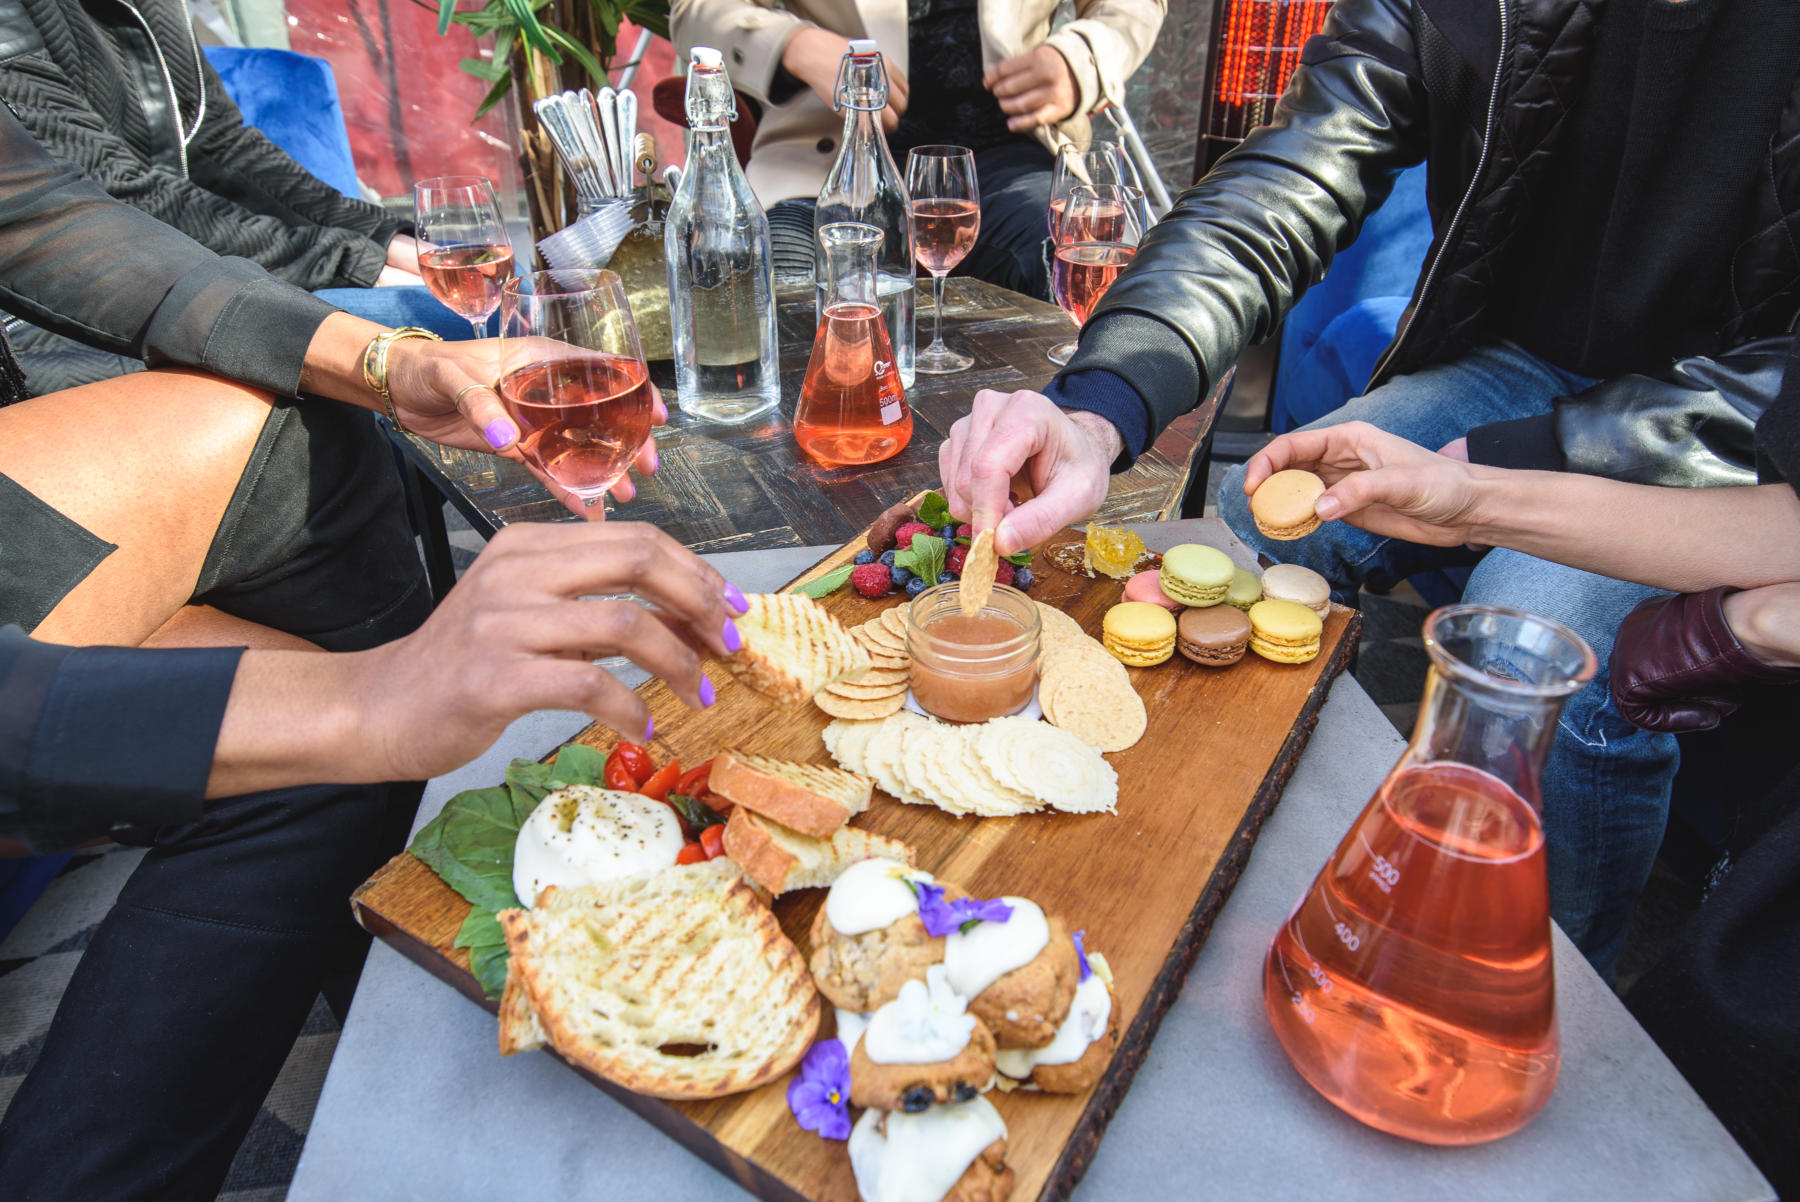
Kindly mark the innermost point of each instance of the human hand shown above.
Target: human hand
(515, 635)
(1381, 483)
(393, 277)
(445, 391)
(403, 254)
(1066, 459)
(813, 56)
(1035, 88)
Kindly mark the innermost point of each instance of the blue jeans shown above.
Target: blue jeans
(1606, 785)
(402, 306)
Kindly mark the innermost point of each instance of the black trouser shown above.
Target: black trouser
(195, 985)
(1010, 250)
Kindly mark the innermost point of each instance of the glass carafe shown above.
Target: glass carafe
(852, 404)
(864, 185)
(1413, 986)
(720, 266)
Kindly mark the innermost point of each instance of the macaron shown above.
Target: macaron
(1245, 590)
(1196, 575)
(1284, 631)
(1302, 586)
(1138, 634)
(1283, 504)
(1215, 636)
(1147, 587)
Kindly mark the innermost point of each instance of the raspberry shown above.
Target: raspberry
(965, 532)
(1003, 574)
(953, 559)
(904, 535)
(872, 580)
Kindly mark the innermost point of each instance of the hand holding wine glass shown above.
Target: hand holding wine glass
(946, 214)
(464, 252)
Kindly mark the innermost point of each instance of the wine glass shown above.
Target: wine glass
(946, 214)
(1096, 237)
(1099, 164)
(573, 378)
(464, 253)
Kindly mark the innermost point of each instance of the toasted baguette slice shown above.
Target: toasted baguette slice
(782, 860)
(793, 648)
(814, 799)
(677, 984)
(519, 1028)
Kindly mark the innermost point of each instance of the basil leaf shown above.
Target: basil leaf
(825, 585)
(529, 781)
(579, 764)
(486, 942)
(470, 845)
(699, 815)
(934, 511)
(1019, 559)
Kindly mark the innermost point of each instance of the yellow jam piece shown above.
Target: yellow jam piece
(1113, 550)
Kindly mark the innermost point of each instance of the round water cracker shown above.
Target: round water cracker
(878, 675)
(978, 573)
(881, 757)
(1055, 620)
(1049, 764)
(922, 749)
(859, 691)
(858, 707)
(988, 796)
(876, 634)
(845, 740)
(942, 767)
(893, 620)
(1102, 717)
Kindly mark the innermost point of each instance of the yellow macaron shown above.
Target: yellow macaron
(1139, 634)
(1285, 632)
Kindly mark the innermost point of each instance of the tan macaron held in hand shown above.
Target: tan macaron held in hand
(1283, 504)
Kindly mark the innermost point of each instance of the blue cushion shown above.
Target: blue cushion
(293, 99)
(21, 883)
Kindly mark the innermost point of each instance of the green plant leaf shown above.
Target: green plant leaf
(482, 935)
(934, 511)
(445, 11)
(495, 95)
(581, 53)
(531, 29)
(698, 814)
(825, 585)
(579, 764)
(648, 15)
(482, 68)
(924, 559)
(470, 845)
(1019, 559)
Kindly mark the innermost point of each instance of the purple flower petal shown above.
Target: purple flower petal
(820, 1096)
(939, 916)
(986, 911)
(836, 1127)
(804, 1094)
(1081, 954)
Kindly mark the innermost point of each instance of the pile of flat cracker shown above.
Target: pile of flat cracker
(881, 690)
(1083, 689)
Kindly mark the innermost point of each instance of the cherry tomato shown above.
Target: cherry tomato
(693, 781)
(712, 840)
(691, 853)
(661, 781)
(618, 776)
(635, 760)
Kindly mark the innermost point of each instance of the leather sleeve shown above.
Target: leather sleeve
(1242, 245)
(752, 35)
(1105, 44)
(54, 112)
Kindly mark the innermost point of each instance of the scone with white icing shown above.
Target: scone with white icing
(1019, 974)
(920, 1049)
(1074, 1060)
(956, 1153)
(868, 940)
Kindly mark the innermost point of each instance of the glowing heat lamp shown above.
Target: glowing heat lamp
(1256, 46)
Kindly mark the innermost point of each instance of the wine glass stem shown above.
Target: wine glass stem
(480, 325)
(937, 310)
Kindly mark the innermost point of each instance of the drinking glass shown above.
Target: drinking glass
(573, 378)
(464, 253)
(1099, 164)
(946, 214)
(1096, 236)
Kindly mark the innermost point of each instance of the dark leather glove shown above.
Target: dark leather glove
(1676, 666)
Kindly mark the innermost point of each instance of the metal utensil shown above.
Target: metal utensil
(607, 102)
(582, 105)
(628, 125)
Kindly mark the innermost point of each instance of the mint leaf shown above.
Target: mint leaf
(925, 558)
(486, 942)
(934, 511)
(825, 585)
(1019, 559)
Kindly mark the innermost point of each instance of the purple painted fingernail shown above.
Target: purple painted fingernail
(707, 696)
(733, 640)
(655, 461)
(650, 730)
(735, 599)
(499, 432)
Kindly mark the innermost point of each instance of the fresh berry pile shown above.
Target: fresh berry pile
(910, 550)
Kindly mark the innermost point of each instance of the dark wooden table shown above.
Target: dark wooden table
(743, 488)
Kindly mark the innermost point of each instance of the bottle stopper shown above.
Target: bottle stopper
(706, 56)
(863, 47)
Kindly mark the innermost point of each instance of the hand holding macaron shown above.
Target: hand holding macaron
(1376, 481)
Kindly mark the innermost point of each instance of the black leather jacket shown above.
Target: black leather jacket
(1476, 86)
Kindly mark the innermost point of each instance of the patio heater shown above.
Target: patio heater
(1256, 45)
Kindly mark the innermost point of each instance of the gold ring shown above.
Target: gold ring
(468, 388)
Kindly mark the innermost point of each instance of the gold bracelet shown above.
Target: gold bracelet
(375, 366)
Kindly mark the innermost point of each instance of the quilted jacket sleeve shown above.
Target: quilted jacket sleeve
(310, 256)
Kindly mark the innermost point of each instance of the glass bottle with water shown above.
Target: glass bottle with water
(865, 186)
(721, 272)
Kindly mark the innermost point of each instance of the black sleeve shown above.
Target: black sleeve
(75, 261)
(1778, 430)
(95, 736)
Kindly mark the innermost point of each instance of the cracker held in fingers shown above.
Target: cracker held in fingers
(793, 647)
(979, 570)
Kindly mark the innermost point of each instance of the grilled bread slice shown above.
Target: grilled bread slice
(678, 984)
(519, 1029)
(793, 648)
(814, 799)
(782, 860)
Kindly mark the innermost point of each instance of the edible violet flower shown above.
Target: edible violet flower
(820, 1095)
(941, 917)
(1080, 938)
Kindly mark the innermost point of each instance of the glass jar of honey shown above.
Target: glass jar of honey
(972, 667)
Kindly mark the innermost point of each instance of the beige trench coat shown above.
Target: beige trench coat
(797, 141)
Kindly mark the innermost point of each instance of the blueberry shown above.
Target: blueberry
(948, 533)
(915, 586)
(901, 576)
(887, 557)
(1022, 578)
(863, 557)
(946, 577)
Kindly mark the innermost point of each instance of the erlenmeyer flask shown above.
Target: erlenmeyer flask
(852, 405)
(1413, 986)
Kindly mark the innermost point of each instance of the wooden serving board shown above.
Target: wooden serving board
(1145, 883)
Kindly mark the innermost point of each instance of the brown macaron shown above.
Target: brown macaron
(1283, 504)
(1215, 636)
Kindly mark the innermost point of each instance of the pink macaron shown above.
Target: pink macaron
(1147, 586)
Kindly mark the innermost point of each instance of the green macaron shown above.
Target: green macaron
(1196, 575)
(1246, 589)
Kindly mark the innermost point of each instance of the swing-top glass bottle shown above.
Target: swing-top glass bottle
(865, 186)
(721, 270)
